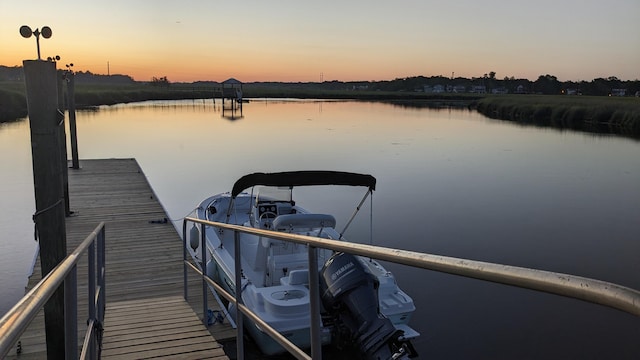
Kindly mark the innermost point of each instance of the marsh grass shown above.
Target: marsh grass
(13, 104)
(620, 115)
(94, 95)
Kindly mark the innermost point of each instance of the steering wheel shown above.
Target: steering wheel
(267, 214)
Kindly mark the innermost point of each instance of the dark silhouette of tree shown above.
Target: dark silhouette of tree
(600, 86)
(15, 73)
(89, 77)
(161, 81)
(548, 85)
(491, 81)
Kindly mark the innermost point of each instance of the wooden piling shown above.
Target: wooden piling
(62, 142)
(75, 163)
(42, 105)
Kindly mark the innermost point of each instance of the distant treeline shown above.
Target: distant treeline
(16, 73)
(487, 83)
(544, 85)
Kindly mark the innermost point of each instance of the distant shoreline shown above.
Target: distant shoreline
(596, 114)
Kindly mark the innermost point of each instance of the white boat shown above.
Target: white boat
(361, 301)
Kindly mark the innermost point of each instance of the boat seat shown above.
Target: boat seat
(305, 221)
(282, 265)
(296, 277)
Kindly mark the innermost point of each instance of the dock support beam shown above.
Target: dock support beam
(49, 218)
(62, 142)
(73, 133)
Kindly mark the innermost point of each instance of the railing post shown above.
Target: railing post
(238, 271)
(203, 247)
(92, 296)
(71, 314)
(101, 275)
(314, 304)
(184, 259)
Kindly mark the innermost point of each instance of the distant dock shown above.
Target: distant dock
(146, 314)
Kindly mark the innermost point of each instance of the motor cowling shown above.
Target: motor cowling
(349, 293)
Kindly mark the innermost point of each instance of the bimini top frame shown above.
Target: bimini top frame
(303, 178)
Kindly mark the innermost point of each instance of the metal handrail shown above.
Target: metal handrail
(14, 323)
(591, 290)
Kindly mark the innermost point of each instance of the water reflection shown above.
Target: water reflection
(450, 182)
(233, 111)
(18, 204)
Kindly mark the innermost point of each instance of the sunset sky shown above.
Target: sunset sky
(298, 40)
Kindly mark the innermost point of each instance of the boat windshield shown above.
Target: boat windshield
(272, 193)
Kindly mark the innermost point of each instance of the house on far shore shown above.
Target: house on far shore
(458, 89)
(618, 92)
(434, 89)
(478, 89)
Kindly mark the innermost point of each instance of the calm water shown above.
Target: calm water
(450, 182)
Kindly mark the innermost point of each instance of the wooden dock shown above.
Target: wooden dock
(146, 315)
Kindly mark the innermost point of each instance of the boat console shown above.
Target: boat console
(265, 211)
(292, 222)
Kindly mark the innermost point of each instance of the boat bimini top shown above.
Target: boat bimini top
(303, 178)
(290, 179)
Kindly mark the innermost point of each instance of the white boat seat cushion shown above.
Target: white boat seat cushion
(296, 277)
(282, 265)
(304, 221)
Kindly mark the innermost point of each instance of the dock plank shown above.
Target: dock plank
(143, 270)
(157, 327)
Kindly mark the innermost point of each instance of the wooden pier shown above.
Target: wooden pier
(146, 315)
(231, 90)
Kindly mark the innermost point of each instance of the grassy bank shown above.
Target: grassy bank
(13, 104)
(616, 115)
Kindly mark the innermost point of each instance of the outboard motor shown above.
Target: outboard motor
(349, 293)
